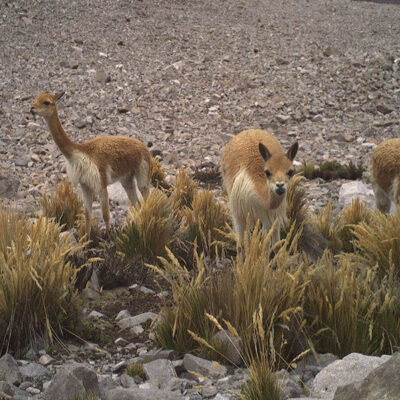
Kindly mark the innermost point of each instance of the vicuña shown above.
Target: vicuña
(256, 173)
(385, 169)
(99, 162)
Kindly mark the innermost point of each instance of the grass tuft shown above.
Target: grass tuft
(37, 296)
(157, 173)
(184, 191)
(208, 222)
(64, 205)
(136, 369)
(149, 228)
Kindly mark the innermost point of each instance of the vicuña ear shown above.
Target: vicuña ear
(59, 95)
(291, 153)
(265, 154)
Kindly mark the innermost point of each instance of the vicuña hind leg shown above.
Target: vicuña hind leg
(382, 199)
(87, 195)
(106, 211)
(128, 185)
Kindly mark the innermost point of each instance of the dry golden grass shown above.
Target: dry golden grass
(353, 310)
(37, 297)
(356, 213)
(64, 205)
(157, 173)
(183, 192)
(208, 222)
(260, 278)
(377, 242)
(135, 369)
(149, 228)
(326, 224)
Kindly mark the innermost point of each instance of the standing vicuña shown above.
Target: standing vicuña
(256, 172)
(98, 162)
(385, 168)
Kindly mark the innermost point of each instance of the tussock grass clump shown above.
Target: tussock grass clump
(64, 205)
(157, 173)
(260, 278)
(184, 191)
(377, 242)
(352, 309)
(296, 209)
(326, 224)
(208, 222)
(149, 228)
(37, 297)
(353, 215)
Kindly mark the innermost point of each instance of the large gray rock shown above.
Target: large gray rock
(71, 380)
(159, 370)
(352, 368)
(231, 346)
(9, 370)
(64, 386)
(203, 367)
(382, 383)
(33, 370)
(349, 191)
(131, 322)
(142, 394)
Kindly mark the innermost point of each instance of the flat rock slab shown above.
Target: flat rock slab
(9, 370)
(349, 191)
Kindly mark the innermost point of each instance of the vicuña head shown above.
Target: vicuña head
(385, 169)
(256, 173)
(99, 162)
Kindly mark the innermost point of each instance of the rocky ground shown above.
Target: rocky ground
(184, 77)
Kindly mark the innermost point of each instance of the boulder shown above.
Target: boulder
(9, 370)
(349, 191)
(382, 383)
(8, 187)
(72, 380)
(231, 346)
(210, 369)
(352, 368)
(160, 371)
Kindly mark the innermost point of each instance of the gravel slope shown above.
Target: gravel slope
(184, 76)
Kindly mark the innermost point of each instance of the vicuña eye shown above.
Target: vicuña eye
(268, 173)
(290, 173)
(46, 103)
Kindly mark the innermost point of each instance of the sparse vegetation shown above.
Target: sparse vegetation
(183, 192)
(135, 369)
(331, 170)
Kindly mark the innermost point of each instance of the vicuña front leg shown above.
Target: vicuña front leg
(88, 201)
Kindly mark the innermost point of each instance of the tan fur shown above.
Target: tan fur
(250, 193)
(385, 169)
(98, 162)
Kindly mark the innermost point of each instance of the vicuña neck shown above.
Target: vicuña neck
(64, 143)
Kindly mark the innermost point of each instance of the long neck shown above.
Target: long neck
(64, 143)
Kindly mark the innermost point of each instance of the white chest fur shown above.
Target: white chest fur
(81, 169)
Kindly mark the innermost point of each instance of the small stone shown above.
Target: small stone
(384, 109)
(122, 314)
(46, 360)
(282, 118)
(349, 138)
(95, 315)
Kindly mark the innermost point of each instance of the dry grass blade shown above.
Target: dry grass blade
(184, 191)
